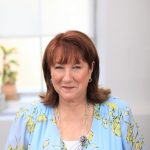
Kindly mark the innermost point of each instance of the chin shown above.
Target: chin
(68, 98)
(71, 95)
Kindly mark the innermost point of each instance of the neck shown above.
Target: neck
(74, 117)
(72, 108)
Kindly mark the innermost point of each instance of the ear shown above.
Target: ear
(93, 64)
(92, 68)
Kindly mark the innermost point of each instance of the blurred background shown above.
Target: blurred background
(120, 30)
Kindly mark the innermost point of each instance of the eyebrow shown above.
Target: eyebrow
(74, 63)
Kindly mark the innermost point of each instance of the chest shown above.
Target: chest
(47, 137)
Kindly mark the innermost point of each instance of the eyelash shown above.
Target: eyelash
(75, 67)
(59, 67)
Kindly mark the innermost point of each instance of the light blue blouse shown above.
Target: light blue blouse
(113, 128)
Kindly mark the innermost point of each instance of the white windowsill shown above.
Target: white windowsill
(11, 107)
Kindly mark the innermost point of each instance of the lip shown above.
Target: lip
(67, 87)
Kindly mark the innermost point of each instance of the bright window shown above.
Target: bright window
(29, 25)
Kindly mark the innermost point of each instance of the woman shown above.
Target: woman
(74, 114)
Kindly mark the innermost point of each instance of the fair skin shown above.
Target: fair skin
(70, 82)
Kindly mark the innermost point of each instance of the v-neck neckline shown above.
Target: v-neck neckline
(91, 129)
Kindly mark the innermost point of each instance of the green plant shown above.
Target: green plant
(9, 65)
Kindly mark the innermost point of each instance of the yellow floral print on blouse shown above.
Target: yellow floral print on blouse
(113, 127)
(30, 124)
(42, 117)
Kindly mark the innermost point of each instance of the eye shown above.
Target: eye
(58, 67)
(77, 67)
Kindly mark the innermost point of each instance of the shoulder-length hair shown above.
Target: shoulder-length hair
(72, 46)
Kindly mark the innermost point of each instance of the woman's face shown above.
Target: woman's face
(71, 80)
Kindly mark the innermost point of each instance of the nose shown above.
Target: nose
(67, 76)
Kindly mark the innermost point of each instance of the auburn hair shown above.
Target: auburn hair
(72, 46)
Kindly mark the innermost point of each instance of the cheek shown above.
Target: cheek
(55, 77)
(83, 78)
(56, 82)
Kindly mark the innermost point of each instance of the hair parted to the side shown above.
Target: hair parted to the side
(72, 46)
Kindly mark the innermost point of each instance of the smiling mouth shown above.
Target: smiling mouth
(67, 88)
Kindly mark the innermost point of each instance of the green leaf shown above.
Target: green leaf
(3, 49)
(8, 74)
(10, 50)
(14, 62)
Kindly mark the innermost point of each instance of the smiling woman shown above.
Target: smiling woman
(75, 114)
(71, 80)
(76, 49)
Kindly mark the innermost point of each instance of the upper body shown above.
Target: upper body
(113, 128)
(74, 107)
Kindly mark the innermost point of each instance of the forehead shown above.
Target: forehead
(65, 55)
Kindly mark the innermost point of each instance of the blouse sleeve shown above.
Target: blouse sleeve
(131, 137)
(18, 137)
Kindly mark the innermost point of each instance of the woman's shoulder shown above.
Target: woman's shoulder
(34, 110)
(114, 105)
(116, 102)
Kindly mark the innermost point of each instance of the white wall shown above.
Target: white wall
(5, 124)
(123, 41)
